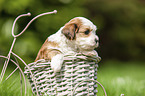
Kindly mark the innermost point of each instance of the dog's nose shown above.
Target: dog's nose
(96, 40)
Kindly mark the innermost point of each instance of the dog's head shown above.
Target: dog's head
(83, 32)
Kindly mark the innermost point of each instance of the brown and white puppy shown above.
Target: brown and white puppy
(76, 36)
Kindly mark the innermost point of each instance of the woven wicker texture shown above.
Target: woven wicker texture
(74, 70)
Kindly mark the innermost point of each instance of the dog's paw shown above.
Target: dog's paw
(56, 62)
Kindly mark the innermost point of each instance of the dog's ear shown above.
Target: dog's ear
(70, 31)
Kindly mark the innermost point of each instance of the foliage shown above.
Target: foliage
(120, 25)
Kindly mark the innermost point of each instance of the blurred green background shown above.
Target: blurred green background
(121, 28)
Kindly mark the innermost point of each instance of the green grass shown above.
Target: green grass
(12, 86)
(117, 78)
(122, 77)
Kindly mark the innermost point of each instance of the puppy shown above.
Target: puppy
(76, 36)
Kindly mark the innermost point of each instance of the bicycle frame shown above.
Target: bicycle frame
(8, 57)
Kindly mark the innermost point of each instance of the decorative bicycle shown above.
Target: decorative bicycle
(29, 70)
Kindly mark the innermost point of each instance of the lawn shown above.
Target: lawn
(117, 78)
(122, 78)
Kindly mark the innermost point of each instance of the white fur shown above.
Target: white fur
(83, 45)
(56, 62)
(66, 46)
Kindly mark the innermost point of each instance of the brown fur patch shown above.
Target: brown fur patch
(71, 28)
(75, 21)
(81, 28)
(45, 53)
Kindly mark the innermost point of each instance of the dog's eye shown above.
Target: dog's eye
(87, 32)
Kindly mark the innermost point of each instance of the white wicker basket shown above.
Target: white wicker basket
(75, 69)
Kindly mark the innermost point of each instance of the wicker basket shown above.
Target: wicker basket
(75, 69)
